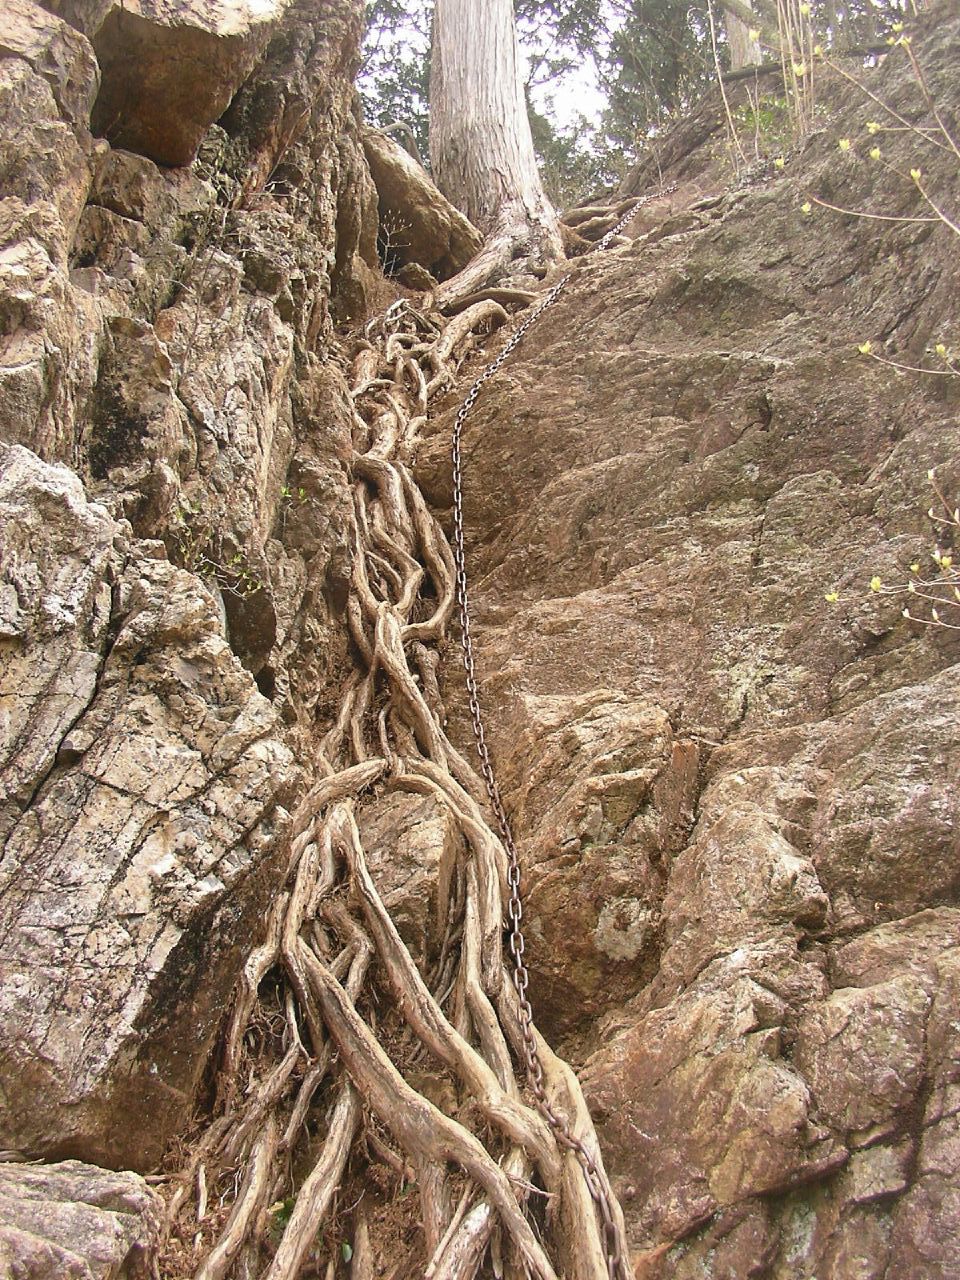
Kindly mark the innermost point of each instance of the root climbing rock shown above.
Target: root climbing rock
(332, 1010)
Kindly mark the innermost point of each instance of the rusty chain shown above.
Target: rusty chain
(616, 1262)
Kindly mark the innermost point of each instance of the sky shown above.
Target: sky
(576, 94)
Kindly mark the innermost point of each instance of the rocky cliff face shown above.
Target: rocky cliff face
(175, 528)
(736, 802)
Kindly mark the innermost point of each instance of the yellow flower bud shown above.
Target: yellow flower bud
(844, 144)
(865, 348)
(806, 207)
(874, 153)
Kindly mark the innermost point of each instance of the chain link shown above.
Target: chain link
(616, 1263)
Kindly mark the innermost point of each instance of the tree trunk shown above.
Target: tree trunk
(744, 48)
(481, 149)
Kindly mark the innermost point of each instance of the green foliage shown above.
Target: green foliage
(198, 548)
(658, 62)
(280, 1214)
(764, 125)
(652, 60)
(394, 80)
(572, 166)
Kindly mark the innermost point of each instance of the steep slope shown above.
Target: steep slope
(251, 903)
(738, 801)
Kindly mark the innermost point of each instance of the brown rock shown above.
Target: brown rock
(169, 71)
(54, 53)
(85, 15)
(698, 1104)
(411, 846)
(863, 1053)
(417, 224)
(661, 485)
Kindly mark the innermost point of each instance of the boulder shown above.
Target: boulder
(169, 70)
(417, 223)
(77, 1222)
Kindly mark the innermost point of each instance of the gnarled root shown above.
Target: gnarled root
(315, 1075)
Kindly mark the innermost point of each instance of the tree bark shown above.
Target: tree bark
(481, 149)
(744, 48)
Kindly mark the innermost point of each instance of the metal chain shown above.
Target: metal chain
(616, 1263)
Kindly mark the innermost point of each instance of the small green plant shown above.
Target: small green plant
(291, 496)
(280, 1214)
(766, 121)
(196, 548)
(934, 134)
(934, 593)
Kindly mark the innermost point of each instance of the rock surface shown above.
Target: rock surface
(417, 224)
(737, 802)
(168, 71)
(169, 534)
(142, 792)
(76, 1222)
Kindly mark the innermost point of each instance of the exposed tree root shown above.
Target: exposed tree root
(332, 1011)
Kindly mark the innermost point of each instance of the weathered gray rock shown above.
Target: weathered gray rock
(142, 790)
(48, 82)
(121, 354)
(164, 333)
(76, 1222)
